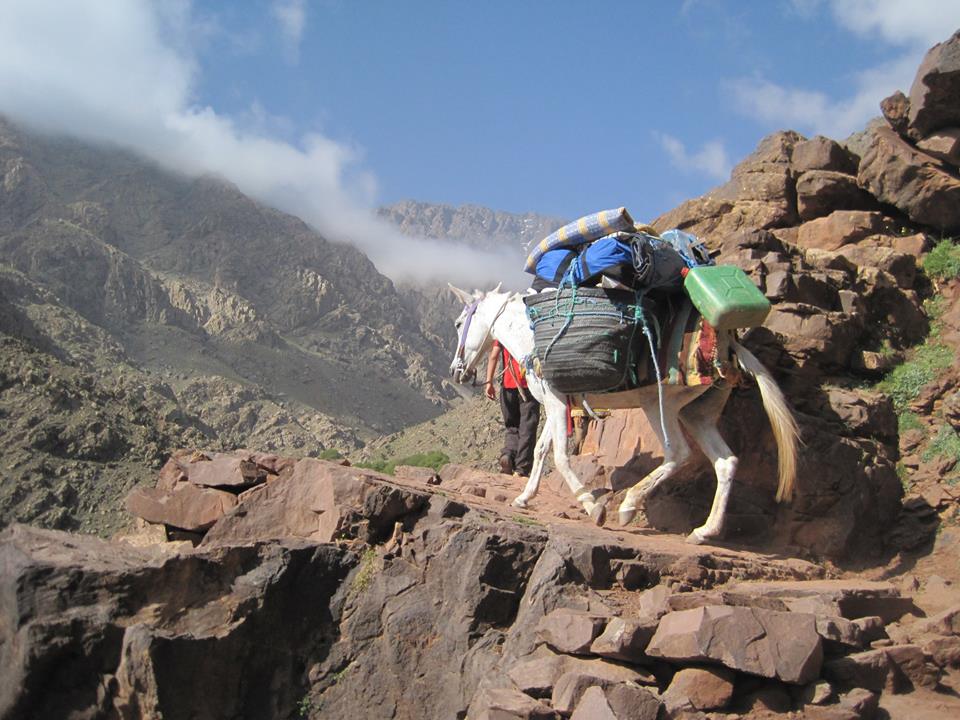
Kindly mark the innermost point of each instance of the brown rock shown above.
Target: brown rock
(840, 228)
(625, 639)
(186, 507)
(507, 704)
(319, 501)
(901, 266)
(863, 703)
(838, 631)
(935, 93)
(896, 110)
(914, 182)
(847, 598)
(618, 702)
(572, 685)
(537, 676)
(570, 631)
(762, 642)
(170, 474)
(911, 244)
(870, 669)
(821, 153)
(700, 689)
(896, 669)
(226, 471)
(817, 693)
(944, 145)
(820, 192)
(427, 476)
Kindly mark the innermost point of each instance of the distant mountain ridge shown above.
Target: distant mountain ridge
(474, 225)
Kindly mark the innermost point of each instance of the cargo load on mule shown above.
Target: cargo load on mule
(614, 295)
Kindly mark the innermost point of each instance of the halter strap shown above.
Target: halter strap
(461, 345)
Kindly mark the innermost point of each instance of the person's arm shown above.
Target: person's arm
(489, 389)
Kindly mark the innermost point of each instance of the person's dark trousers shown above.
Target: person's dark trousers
(521, 419)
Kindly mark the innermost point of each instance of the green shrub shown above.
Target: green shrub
(330, 454)
(907, 420)
(943, 262)
(433, 459)
(945, 444)
(905, 381)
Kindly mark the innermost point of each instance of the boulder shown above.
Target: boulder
(699, 689)
(935, 93)
(840, 228)
(895, 669)
(321, 501)
(896, 111)
(572, 685)
(768, 643)
(625, 638)
(508, 704)
(226, 471)
(186, 506)
(820, 192)
(821, 153)
(914, 182)
(619, 702)
(570, 631)
(760, 195)
(944, 145)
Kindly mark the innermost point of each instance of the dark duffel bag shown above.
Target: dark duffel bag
(587, 339)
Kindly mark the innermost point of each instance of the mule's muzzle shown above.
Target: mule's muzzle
(461, 374)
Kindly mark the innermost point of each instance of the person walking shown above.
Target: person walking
(521, 413)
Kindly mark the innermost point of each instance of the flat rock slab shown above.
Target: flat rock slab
(186, 506)
(768, 643)
(225, 471)
(849, 598)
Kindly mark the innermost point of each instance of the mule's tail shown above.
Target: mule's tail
(781, 420)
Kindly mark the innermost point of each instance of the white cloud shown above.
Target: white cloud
(918, 23)
(291, 15)
(711, 160)
(128, 78)
(912, 27)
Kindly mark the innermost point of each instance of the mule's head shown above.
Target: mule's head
(473, 334)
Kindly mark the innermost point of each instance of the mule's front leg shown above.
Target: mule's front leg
(536, 472)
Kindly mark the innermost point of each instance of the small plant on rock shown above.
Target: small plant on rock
(943, 262)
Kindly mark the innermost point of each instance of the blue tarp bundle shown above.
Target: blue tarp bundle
(584, 230)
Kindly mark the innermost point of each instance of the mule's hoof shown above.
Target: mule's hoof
(626, 516)
(518, 503)
(697, 538)
(599, 514)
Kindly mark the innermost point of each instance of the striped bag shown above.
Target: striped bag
(584, 230)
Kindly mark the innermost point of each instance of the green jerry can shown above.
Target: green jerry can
(726, 296)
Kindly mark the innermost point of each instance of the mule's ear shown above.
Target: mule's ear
(462, 295)
(497, 288)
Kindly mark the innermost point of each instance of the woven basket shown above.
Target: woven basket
(586, 339)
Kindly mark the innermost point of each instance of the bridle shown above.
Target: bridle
(461, 368)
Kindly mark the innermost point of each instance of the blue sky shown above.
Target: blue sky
(327, 108)
(557, 107)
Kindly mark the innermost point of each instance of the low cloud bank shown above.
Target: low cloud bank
(125, 73)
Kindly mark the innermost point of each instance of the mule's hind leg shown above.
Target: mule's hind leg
(674, 455)
(700, 418)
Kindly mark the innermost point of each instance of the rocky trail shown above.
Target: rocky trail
(322, 590)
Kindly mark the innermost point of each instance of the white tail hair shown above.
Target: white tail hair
(784, 425)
